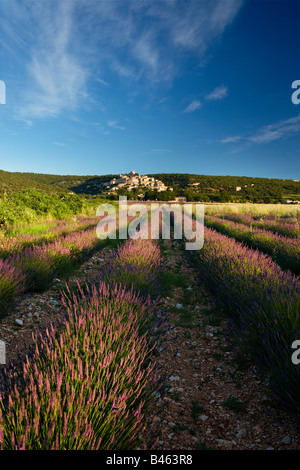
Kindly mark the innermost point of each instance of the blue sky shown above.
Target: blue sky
(158, 86)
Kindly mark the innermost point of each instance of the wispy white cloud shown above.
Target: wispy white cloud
(115, 125)
(231, 139)
(279, 130)
(193, 106)
(218, 93)
(59, 144)
(62, 46)
(103, 82)
(54, 76)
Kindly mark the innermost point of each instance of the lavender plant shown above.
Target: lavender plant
(90, 380)
(41, 263)
(137, 263)
(264, 303)
(284, 251)
(286, 227)
(12, 284)
(18, 238)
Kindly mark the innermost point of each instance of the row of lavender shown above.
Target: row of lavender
(20, 237)
(33, 268)
(283, 250)
(90, 382)
(264, 304)
(288, 227)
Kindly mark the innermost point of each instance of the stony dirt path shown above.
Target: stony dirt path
(216, 398)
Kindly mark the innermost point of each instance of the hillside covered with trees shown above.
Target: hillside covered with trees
(231, 188)
(201, 188)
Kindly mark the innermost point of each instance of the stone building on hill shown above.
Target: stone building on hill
(133, 180)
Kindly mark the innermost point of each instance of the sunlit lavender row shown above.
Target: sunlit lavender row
(263, 301)
(33, 268)
(284, 251)
(288, 227)
(90, 381)
(12, 284)
(21, 237)
(136, 264)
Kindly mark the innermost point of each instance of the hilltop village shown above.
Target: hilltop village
(132, 181)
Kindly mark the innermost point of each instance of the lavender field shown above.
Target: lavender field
(30, 261)
(284, 250)
(92, 379)
(264, 304)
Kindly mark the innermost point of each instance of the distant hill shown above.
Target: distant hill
(231, 188)
(16, 181)
(13, 182)
(193, 187)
